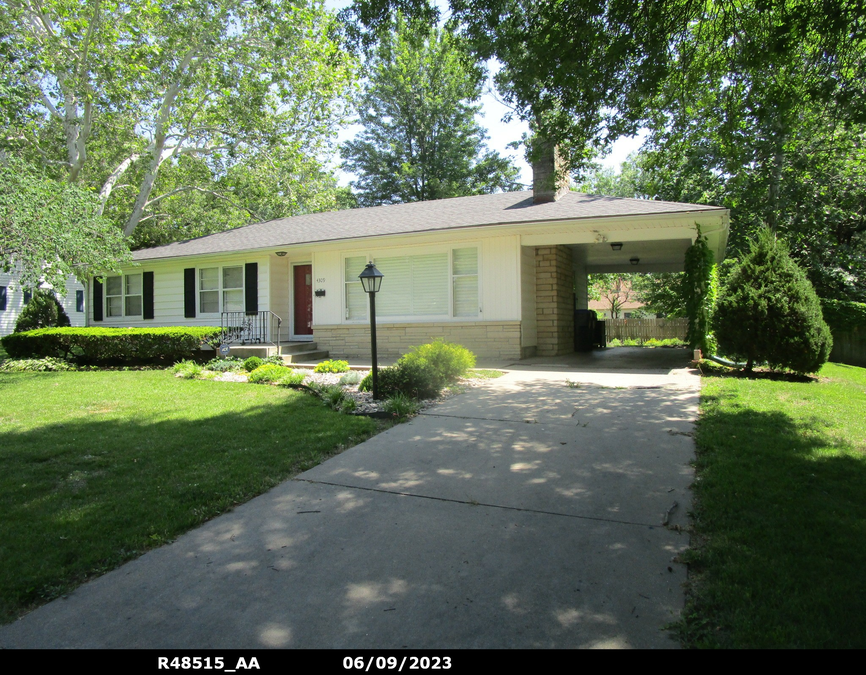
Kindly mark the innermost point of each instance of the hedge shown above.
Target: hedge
(99, 345)
(843, 315)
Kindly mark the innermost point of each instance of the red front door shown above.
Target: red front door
(303, 283)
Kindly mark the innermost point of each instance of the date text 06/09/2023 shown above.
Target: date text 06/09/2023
(394, 663)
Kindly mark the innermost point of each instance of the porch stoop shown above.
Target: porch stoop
(301, 352)
(291, 352)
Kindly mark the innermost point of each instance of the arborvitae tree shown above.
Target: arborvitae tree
(43, 311)
(699, 286)
(770, 312)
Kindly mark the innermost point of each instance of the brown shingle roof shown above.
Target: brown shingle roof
(444, 214)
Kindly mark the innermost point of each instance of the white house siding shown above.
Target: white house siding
(280, 280)
(168, 290)
(15, 302)
(493, 334)
(500, 288)
(327, 277)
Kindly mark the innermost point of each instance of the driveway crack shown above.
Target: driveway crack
(472, 502)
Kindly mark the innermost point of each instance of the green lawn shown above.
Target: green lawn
(97, 467)
(780, 513)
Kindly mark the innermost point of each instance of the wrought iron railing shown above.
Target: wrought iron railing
(240, 328)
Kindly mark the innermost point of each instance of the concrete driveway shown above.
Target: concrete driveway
(524, 513)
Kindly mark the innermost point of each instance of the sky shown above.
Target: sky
(500, 133)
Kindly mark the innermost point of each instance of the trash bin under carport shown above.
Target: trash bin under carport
(584, 329)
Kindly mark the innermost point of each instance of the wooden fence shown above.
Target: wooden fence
(850, 347)
(645, 329)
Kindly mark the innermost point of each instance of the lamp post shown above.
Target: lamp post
(371, 282)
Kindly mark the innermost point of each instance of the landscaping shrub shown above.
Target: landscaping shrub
(110, 345)
(423, 371)
(35, 365)
(352, 377)
(415, 379)
(276, 359)
(447, 360)
(770, 312)
(268, 372)
(252, 363)
(225, 365)
(402, 406)
(332, 367)
(334, 397)
(43, 311)
(188, 370)
(292, 377)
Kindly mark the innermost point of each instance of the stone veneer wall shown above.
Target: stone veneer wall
(499, 340)
(554, 300)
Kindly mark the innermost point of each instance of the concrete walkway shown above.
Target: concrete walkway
(524, 513)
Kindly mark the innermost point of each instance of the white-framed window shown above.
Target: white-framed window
(123, 295)
(132, 295)
(356, 299)
(464, 281)
(221, 289)
(438, 284)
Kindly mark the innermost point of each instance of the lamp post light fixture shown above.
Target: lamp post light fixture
(371, 282)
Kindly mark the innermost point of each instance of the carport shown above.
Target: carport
(631, 236)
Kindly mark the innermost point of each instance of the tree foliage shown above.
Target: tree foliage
(769, 311)
(51, 229)
(420, 139)
(588, 72)
(112, 94)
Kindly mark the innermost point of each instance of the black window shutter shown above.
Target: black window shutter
(189, 293)
(147, 295)
(97, 300)
(2, 298)
(251, 288)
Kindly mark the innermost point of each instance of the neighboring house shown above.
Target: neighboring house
(13, 297)
(624, 300)
(500, 274)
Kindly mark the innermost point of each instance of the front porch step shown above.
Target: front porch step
(305, 357)
(287, 348)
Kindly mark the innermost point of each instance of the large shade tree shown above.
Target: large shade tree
(586, 73)
(421, 140)
(51, 229)
(111, 93)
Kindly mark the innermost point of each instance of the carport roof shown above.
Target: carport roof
(505, 208)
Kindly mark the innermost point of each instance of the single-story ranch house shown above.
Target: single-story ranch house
(500, 274)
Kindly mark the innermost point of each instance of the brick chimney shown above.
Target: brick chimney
(549, 178)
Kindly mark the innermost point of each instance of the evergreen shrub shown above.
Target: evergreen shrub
(43, 311)
(769, 312)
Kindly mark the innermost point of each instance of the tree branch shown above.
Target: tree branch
(203, 191)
